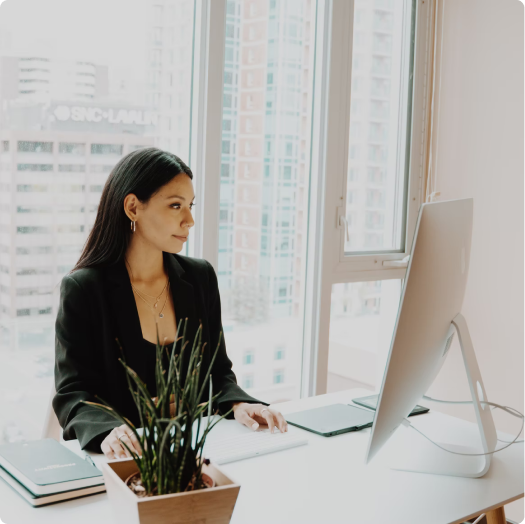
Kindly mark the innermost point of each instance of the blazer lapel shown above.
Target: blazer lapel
(124, 309)
(184, 302)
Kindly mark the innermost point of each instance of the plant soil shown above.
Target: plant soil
(134, 483)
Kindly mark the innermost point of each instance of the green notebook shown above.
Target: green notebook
(44, 500)
(45, 466)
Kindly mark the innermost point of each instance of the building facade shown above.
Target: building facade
(55, 158)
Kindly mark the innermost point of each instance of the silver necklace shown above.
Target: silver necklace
(139, 293)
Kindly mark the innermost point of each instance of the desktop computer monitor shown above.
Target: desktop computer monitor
(428, 316)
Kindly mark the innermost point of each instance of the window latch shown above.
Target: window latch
(342, 221)
(397, 263)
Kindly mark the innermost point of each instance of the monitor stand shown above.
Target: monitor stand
(413, 452)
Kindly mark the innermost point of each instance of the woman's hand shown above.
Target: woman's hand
(113, 448)
(250, 415)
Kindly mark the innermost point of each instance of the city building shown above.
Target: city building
(264, 170)
(41, 79)
(54, 160)
(169, 69)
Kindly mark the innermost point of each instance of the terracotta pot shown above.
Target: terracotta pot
(191, 507)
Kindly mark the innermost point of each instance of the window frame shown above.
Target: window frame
(370, 260)
(206, 125)
(323, 259)
(329, 153)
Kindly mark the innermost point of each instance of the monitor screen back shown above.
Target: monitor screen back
(432, 296)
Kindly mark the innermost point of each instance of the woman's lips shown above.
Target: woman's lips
(181, 238)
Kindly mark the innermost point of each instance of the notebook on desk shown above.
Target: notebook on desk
(52, 498)
(46, 467)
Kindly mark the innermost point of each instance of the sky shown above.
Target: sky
(107, 32)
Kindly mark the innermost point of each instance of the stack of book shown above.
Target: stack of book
(44, 472)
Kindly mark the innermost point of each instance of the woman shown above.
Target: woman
(129, 280)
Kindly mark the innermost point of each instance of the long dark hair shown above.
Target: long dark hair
(143, 173)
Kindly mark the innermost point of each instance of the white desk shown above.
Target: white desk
(327, 481)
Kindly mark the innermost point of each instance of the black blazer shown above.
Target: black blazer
(96, 306)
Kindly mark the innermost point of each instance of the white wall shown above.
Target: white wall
(480, 155)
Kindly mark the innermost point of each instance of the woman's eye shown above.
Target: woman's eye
(191, 206)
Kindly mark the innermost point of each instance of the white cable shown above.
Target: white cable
(504, 408)
(479, 519)
(493, 404)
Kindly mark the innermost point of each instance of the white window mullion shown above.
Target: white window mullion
(205, 160)
(331, 114)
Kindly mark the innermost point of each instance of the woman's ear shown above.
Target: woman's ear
(130, 206)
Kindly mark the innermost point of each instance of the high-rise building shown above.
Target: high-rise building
(169, 61)
(55, 156)
(41, 79)
(70, 108)
(374, 206)
(267, 87)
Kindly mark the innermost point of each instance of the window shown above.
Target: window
(278, 376)
(67, 148)
(106, 149)
(362, 318)
(96, 168)
(35, 147)
(353, 174)
(270, 149)
(270, 88)
(378, 139)
(249, 357)
(279, 353)
(71, 168)
(247, 381)
(62, 134)
(35, 167)
(376, 176)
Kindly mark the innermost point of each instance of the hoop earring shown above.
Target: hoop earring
(133, 226)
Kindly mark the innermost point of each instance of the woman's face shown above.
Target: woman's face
(165, 221)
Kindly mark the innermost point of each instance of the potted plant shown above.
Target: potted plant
(171, 482)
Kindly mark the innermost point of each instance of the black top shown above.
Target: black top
(97, 312)
(142, 360)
